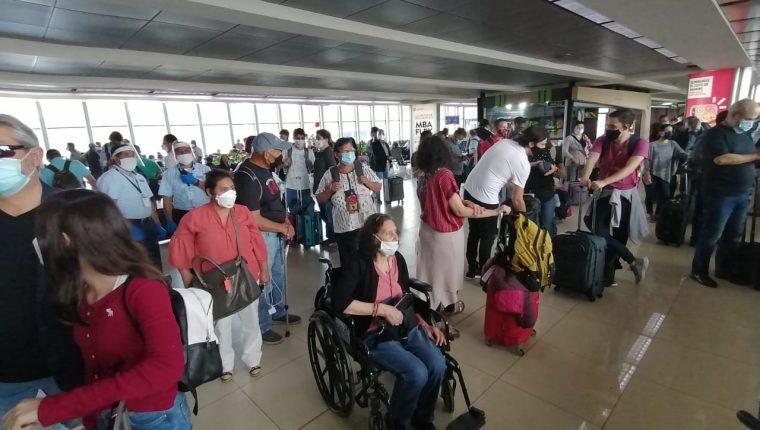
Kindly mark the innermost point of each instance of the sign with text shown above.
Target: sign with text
(452, 119)
(424, 117)
(709, 93)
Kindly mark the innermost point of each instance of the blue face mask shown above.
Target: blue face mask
(12, 179)
(744, 126)
(348, 158)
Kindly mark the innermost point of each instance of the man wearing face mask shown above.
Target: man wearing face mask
(132, 195)
(324, 160)
(458, 156)
(619, 212)
(170, 160)
(183, 187)
(39, 353)
(380, 156)
(258, 190)
(729, 157)
(300, 163)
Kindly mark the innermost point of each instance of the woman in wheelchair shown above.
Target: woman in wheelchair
(374, 288)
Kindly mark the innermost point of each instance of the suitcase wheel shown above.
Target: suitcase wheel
(591, 298)
(520, 351)
(489, 342)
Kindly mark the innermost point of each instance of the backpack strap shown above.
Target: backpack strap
(66, 166)
(52, 168)
(633, 143)
(334, 174)
(359, 168)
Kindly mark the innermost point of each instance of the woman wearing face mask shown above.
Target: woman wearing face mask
(349, 187)
(541, 179)
(374, 279)
(575, 151)
(209, 231)
(324, 160)
(664, 157)
(122, 320)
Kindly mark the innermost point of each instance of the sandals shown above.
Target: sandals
(255, 371)
(226, 377)
(454, 309)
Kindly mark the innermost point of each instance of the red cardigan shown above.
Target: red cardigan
(120, 363)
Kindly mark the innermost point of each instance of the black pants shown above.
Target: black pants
(658, 192)
(347, 245)
(151, 240)
(178, 214)
(617, 241)
(480, 239)
(697, 199)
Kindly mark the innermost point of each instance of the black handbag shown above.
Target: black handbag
(389, 332)
(230, 284)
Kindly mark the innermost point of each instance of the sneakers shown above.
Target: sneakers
(292, 319)
(639, 268)
(226, 377)
(255, 371)
(472, 274)
(271, 338)
(704, 279)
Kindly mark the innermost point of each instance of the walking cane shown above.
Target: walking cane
(285, 287)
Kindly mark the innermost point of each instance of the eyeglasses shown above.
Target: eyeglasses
(7, 151)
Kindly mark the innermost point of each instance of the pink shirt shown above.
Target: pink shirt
(616, 157)
(436, 211)
(387, 286)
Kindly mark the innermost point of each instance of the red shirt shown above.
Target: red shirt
(434, 199)
(486, 144)
(201, 233)
(121, 363)
(616, 157)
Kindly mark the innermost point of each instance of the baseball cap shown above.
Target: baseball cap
(267, 141)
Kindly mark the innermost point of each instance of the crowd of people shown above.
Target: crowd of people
(70, 253)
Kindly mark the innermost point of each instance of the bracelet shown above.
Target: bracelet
(374, 310)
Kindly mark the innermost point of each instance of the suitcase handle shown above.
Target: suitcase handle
(595, 197)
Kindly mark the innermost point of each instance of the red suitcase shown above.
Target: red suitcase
(509, 329)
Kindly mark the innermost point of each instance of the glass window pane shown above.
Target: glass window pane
(365, 113)
(23, 109)
(59, 137)
(270, 128)
(217, 138)
(241, 131)
(330, 112)
(214, 113)
(393, 132)
(149, 138)
(383, 125)
(393, 112)
(364, 130)
(181, 113)
(290, 127)
(242, 113)
(333, 128)
(63, 113)
(380, 112)
(310, 114)
(290, 113)
(100, 134)
(267, 113)
(146, 113)
(348, 113)
(106, 113)
(349, 129)
(186, 133)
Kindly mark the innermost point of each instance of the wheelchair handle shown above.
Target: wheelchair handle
(420, 286)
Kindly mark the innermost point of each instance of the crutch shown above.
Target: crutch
(285, 247)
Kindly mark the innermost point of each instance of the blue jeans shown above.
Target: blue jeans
(175, 418)
(723, 221)
(299, 201)
(419, 367)
(13, 392)
(325, 212)
(380, 175)
(274, 291)
(548, 212)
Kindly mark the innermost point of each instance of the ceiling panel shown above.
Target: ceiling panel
(172, 72)
(263, 33)
(231, 46)
(86, 38)
(339, 8)
(752, 36)
(25, 13)
(169, 38)
(16, 62)
(743, 10)
(329, 56)
(87, 22)
(24, 30)
(280, 54)
(117, 70)
(393, 13)
(191, 21)
(441, 5)
(60, 66)
(104, 8)
(438, 24)
(315, 42)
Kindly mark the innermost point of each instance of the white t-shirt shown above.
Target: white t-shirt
(503, 163)
(298, 174)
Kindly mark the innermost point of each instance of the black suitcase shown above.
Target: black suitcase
(673, 217)
(746, 270)
(579, 259)
(393, 189)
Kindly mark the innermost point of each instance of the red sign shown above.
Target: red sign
(709, 93)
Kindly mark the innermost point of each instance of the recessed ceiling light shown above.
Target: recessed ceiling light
(522, 105)
(666, 52)
(579, 9)
(680, 60)
(621, 29)
(509, 106)
(649, 43)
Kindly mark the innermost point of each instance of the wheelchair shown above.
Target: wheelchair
(334, 346)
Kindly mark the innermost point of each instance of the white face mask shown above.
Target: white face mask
(388, 248)
(227, 199)
(578, 131)
(129, 164)
(185, 159)
(300, 143)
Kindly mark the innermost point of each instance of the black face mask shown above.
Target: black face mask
(612, 134)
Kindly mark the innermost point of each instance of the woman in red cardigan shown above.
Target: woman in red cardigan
(87, 250)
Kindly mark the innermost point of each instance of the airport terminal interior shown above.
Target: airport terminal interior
(660, 354)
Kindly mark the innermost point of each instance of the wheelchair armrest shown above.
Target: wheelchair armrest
(417, 285)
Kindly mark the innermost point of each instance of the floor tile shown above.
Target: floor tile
(568, 381)
(471, 348)
(233, 412)
(477, 383)
(650, 406)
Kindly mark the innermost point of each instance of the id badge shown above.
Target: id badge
(352, 201)
(146, 202)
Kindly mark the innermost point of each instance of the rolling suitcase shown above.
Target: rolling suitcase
(579, 259)
(673, 217)
(393, 189)
(308, 229)
(746, 270)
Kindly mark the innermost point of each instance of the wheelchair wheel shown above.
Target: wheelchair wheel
(330, 364)
(447, 394)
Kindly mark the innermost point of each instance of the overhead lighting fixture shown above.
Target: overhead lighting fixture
(522, 105)
(621, 29)
(680, 60)
(666, 52)
(509, 106)
(649, 43)
(579, 9)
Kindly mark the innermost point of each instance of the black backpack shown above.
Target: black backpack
(64, 179)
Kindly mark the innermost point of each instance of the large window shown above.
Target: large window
(148, 124)
(310, 119)
(26, 111)
(365, 122)
(107, 116)
(243, 121)
(64, 120)
(268, 116)
(216, 127)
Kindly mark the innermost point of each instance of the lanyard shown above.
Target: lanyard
(133, 184)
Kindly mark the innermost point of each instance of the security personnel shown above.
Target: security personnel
(132, 195)
(182, 186)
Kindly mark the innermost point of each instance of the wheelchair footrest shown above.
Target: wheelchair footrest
(473, 419)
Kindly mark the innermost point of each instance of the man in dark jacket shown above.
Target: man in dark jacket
(93, 161)
(380, 154)
(324, 159)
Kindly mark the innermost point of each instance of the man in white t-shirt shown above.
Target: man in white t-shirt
(504, 165)
(300, 163)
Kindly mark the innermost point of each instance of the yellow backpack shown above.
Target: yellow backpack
(530, 252)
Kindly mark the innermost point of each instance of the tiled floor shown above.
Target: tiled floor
(667, 354)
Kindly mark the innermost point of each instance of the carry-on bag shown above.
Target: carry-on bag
(511, 310)
(579, 259)
(393, 189)
(746, 269)
(308, 229)
(673, 217)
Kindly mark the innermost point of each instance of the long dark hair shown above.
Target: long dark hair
(369, 245)
(96, 232)
(325, 135)
(432, 154)
(534, 134)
